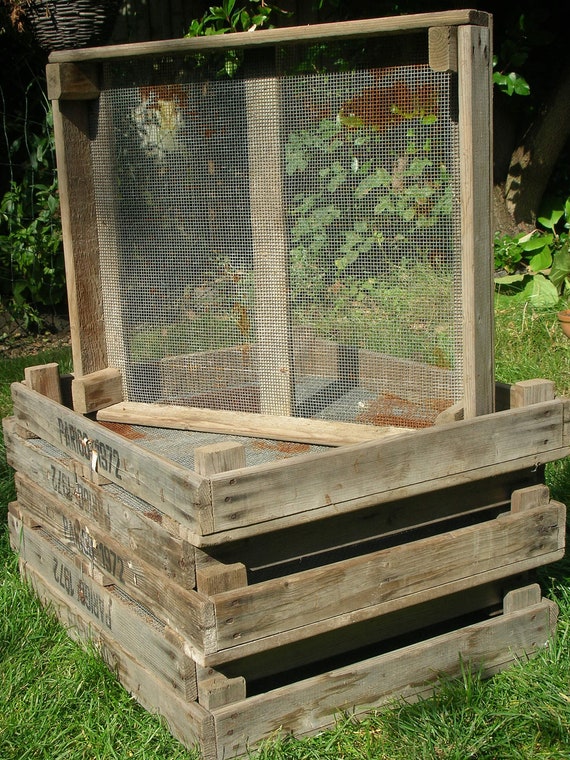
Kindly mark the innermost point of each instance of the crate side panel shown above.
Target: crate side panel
(376, 472)
(80, 598)
(391, 578)
(170, 488)
(410, 673)
(123, 518)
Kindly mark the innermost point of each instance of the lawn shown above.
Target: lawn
(59, 702)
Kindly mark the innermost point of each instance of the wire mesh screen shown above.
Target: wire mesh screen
(279, 231)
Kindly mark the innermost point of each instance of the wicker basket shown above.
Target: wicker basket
(66, 24)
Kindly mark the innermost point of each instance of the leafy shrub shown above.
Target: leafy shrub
(32, 277)
(537, 263)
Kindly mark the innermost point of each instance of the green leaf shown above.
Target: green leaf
(541, 261)
(550, 222)
(534, 243)
(560, 267)
(541, 292)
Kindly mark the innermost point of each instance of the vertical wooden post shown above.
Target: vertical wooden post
(44, 379)
(270, 251)
(474, 81)
(70, 96)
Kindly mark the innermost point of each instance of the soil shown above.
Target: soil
(16, 341)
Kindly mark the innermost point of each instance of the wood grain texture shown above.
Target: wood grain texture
(317, 485)
(274, 427)
(394, 578)
(80, 240)
(69, 588)
(409, 673)
(171, 488)
(288, 35)
(475, 151)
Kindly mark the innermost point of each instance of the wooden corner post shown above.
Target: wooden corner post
(71, 88)
(474, 81)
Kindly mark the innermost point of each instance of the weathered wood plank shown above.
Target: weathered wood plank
(367, 633)
(44, 379)
(187, 720)
(70, 81)
(184, 610)
(275, 427)
(270, 247)
(142, 580)
(122, 516)
(263, 37)
(376, 583)
(475, 151)
(80, 241)
(316, 485)
(97, 390)
(74, 595)
(410, 673)
(172, 489)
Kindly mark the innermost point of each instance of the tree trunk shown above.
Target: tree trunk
(534, 159)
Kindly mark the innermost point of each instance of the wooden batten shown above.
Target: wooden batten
(297, 34)
(270, 249)
(474, 81)
(72, 81)
(443, 48)
(97, 390)
(80, 240)
(534, 391)
(274, 427)
(44, 379)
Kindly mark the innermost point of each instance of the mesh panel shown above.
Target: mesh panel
(279, 231)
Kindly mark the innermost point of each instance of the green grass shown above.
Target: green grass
(59, 702)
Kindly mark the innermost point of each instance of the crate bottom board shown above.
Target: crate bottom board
(312, 704)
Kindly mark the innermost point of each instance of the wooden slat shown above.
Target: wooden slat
(109, 559)
(172, 489)
(80, 241)
(70, 81)
(264, 37)
(97, 390)
(44, 379)
(269, 426)
(270, 247)
(392, 578)
(97, 606)
(184, 610)
(129, 522)
(395, 625)
(474, 82)
(408, 673)
(316, 485)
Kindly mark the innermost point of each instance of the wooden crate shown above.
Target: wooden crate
(308, 606)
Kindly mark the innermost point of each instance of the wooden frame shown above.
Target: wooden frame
(458, 41)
